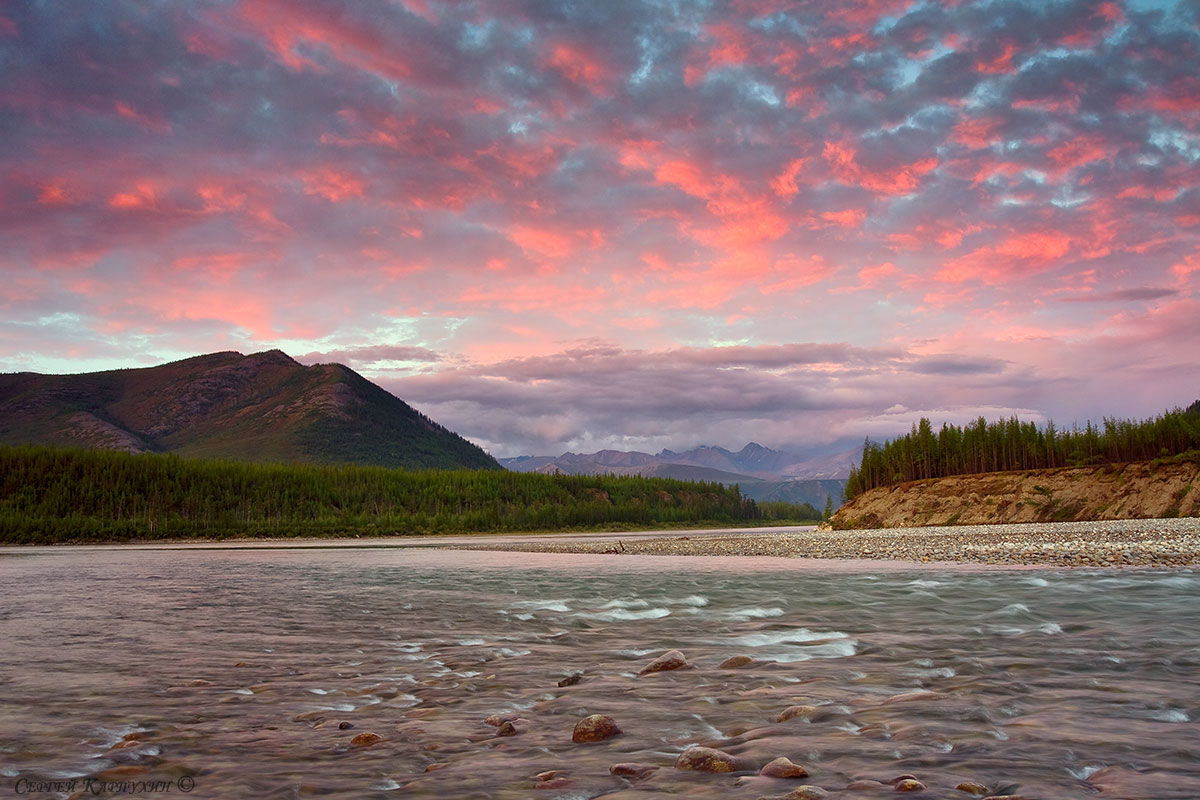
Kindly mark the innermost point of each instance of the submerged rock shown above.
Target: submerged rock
(806, 792)
(511, 727)
(972, 787)
(496, 720)
(908, 784)
(734, 662)
(345, 726)
(795, 711)
(672, 659)
(783, 767)
(595, 728)
(365, 739)
(708, 759)
(631, 769)
(863, 785)
(571, 680)
(550, 775)
(554, 783)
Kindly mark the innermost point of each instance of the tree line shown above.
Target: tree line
(1010, 444)
(54, 495)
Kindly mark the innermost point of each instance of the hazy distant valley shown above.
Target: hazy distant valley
(762, 474)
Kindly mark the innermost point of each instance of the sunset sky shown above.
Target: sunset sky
(575, 225)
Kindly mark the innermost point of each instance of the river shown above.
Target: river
(247, 672)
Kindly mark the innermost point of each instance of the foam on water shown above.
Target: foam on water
(637, 603)
(790, 636)
(386, 786)
(1013, 609)
(691, 600)
(743, 614)
(1170, 715)
(543, 605)
(623, 615)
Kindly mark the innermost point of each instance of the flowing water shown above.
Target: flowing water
(235, 672)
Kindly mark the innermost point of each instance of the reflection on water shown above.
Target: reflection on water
(245, 670)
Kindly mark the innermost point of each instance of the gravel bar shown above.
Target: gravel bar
(1108, 543)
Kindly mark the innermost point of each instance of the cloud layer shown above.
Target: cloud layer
(557, 225)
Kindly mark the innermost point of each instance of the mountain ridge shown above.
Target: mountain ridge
(762, 474)
(752, 462)
(262, 407)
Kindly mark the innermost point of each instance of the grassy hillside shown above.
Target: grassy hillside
(59, 495)
(263, 407)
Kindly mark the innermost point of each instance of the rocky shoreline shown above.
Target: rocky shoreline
(1109, 543)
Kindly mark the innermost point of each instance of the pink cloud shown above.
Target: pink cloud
(143, 195)
(1017, 255)
(332, 184)
(785, 183)
(899, 180)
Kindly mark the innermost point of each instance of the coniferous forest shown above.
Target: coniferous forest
(1010, 444)
(58, 495)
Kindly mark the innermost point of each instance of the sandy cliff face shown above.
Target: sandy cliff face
(1139, 490)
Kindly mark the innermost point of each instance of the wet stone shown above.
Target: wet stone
(595, 728)
(708, 759)
(783, 767)
(864, 785)
(365, 739)
(496, 720)
(806, 792)
(972, 787)
(795, 711)
(632, 769)
(672, 659)
(909, 785)
(571, 680)
(345, 726)
(556, 783)
(510, 727)
(735, 662)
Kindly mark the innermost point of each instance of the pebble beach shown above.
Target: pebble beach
(1109, 543)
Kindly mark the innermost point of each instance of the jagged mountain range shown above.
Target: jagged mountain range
(761, 472)
(260, 407)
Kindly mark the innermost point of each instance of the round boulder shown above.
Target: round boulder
(496, 720)
(806, 792)
(365, 739)
(909, 785)
(595, 728)
(672, 659)
(707, 759)
(735, 662)
(511, 727)
(782, 767)
(795, 711)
